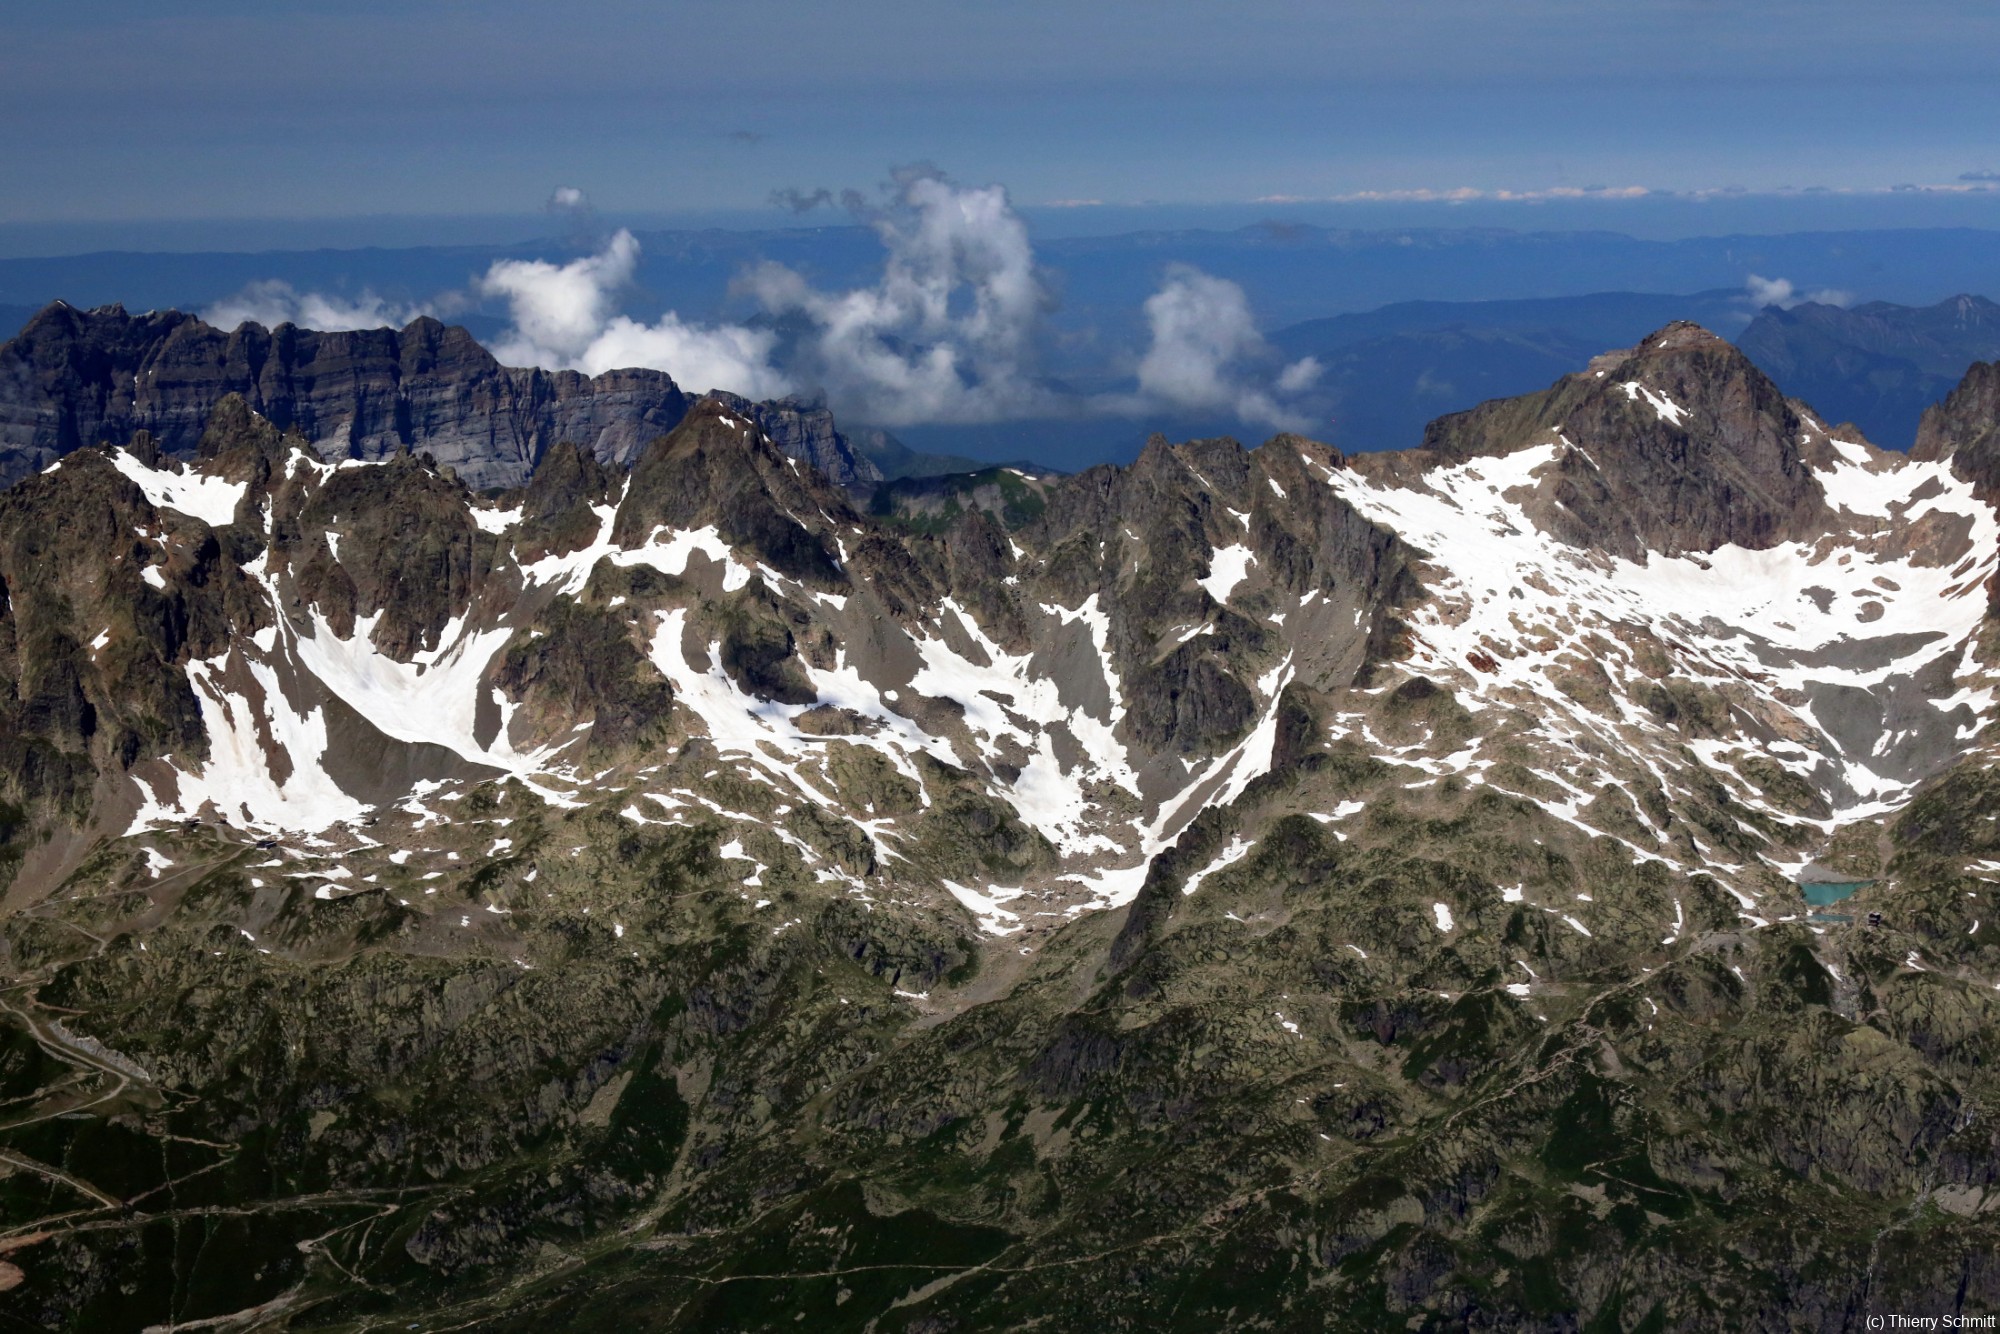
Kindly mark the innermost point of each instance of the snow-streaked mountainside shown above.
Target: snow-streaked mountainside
(1393, 852)
(1805, 684)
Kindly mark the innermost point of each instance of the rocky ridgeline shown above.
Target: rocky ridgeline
(73, 378)
(1244, 889)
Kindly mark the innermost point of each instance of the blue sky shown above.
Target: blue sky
(206, 108)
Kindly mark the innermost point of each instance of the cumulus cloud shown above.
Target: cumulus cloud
(1769, 292)
(1779, 292)
(559, 309)
(1300, 376)
(275, 302)
(950, 331)
(947, 333)
(571, 207)
(565, 317)
(1206, 355)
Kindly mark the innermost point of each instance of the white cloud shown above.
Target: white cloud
(1779, 292)
(726, 356)
(1769, 292)
(1205, 350)
(565, 317)
(948, 332)
(558, 310)
(274, 302)
(1300, 376)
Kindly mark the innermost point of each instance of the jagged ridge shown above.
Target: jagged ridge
(73, 378)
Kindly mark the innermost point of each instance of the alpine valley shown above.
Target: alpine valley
(660, 889)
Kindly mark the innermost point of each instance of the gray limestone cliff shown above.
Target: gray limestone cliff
(73, 378)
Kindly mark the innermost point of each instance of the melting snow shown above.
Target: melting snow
(1669, 410)
(209, 499)
(237, 775)
(1227, 568)
(433, 698)
(993, 919)
(1512, 610)
(1227, 857)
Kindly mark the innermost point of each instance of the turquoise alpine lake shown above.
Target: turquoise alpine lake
(1820, 893)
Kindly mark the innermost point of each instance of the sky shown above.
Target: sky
(964, 139)
(307, 109)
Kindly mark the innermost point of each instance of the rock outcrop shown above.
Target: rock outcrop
(1679, 444)
(73, 378)
(1965, 428)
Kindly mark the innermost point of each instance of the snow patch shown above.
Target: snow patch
(210, 499)
(993, 919)
(1229, 856)
(1227, 568)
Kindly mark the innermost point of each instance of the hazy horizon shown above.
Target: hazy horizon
(1662, 216)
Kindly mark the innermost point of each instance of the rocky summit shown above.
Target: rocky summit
(1541, 880)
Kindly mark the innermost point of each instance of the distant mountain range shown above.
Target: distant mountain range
(1481, 312)
(1878, 365)
(1292, 272)
(84, 377)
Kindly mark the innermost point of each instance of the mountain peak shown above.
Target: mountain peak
(670, 839)
(1678, 336)
(1677, 444)
(718, 468)
(1965, 427)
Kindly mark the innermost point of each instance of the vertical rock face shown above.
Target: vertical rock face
(805, 430)
(73, 378)
(1965, 430)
